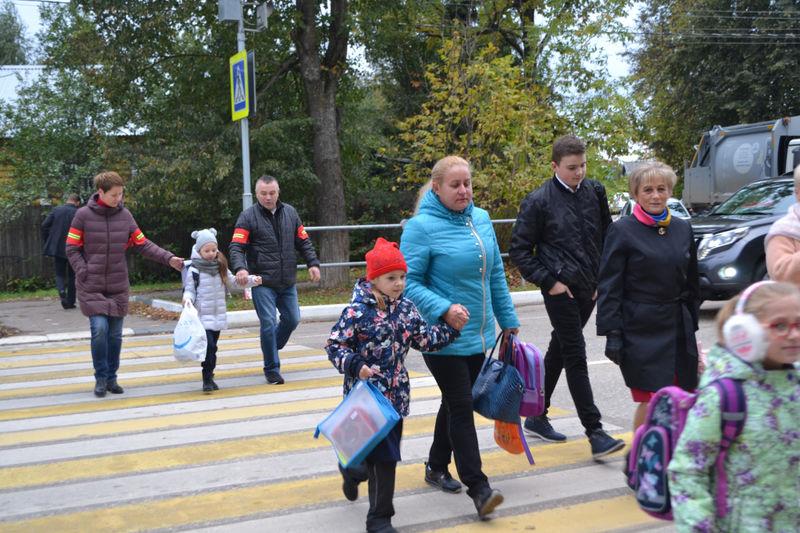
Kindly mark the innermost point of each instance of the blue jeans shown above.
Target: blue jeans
(275, 335)
(106, 345)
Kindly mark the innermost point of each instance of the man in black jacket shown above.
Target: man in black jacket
(264, 243)
(54, 235)
(556, 244)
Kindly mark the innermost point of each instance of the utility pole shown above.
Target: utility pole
(233, 11)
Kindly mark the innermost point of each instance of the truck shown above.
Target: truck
(729, 157)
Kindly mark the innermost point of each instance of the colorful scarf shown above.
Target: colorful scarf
(652, 220)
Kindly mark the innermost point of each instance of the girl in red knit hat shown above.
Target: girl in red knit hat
(370, 342)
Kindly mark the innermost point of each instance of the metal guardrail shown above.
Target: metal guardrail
(377, 226)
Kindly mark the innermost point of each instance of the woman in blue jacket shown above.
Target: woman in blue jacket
(455, 273)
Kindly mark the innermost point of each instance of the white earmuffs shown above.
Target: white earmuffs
(744, 335)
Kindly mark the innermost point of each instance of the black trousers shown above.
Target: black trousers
(65, 279)
(381, 493)
(454, 432)
(567, 351)
(378, 469)
(210, 362)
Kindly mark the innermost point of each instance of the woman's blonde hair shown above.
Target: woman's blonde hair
(444, 164)
(756, 302)
(651, 171)
(437, 175)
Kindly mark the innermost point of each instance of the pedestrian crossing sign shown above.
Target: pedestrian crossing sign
(240, 104)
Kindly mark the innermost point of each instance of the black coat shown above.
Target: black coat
(54, 230)
(559, 236)
(649, 290)
(264, 244)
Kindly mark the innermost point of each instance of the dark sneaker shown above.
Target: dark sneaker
(351, 477)
(487, 501)
(100, 388)
(441, 480)
(539, 426)
(274, 378)
(114, 388)
(603, 444)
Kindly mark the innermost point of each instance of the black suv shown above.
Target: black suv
(730, 239)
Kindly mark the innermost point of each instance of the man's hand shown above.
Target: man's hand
(614, 346)
(559, 288)
(313, 273)
(241, 277)
(176, 262)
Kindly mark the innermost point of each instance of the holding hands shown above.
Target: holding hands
(176, 262)
(457, 316)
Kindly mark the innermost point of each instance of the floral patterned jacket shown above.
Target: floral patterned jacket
(365, 335)
(762, 465)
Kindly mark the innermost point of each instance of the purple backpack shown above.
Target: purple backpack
(529, 362)
(654, 443)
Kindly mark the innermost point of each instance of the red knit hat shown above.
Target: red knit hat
(383, 258)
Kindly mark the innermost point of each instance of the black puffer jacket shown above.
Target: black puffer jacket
(264, 245)
(559, 236)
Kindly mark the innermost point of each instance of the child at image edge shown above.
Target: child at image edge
(370, 341)
(204, 280)
(763, 463)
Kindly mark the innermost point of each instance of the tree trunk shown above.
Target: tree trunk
(320, 77)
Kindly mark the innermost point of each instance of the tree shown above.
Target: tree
(13, 44)
(161, 67)
(320, 69)
(58, 134)
(707, 62)
(513, 76)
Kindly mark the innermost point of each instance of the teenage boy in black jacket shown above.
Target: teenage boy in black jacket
(556, 244)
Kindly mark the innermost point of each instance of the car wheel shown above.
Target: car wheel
(760, 272)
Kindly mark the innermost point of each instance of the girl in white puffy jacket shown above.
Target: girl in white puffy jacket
(205, 278)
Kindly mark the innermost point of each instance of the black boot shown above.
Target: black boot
(113, 387)
(208, 384)
(100, 388)
(64, 303)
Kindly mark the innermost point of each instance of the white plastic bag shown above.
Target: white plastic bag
(189, 341)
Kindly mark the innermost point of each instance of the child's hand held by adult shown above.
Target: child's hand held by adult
(176, 262)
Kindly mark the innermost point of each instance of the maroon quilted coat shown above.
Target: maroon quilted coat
(96, 245)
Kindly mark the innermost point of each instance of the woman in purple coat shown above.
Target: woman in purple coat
(100, 233)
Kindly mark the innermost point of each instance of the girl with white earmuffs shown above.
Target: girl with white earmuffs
(759, 344)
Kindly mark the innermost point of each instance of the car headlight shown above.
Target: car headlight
(712, 241)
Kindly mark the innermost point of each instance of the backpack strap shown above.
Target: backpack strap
(734, 414)
(525, 445)
(196, 278)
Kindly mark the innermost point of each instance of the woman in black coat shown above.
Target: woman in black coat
(648, 291)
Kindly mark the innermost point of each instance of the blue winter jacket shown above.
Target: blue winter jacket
(454, 258)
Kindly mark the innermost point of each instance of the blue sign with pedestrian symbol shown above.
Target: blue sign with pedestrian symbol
(240, 105)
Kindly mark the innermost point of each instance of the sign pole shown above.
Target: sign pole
(247, 198)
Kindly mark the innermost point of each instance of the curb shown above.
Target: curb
(236, 319)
